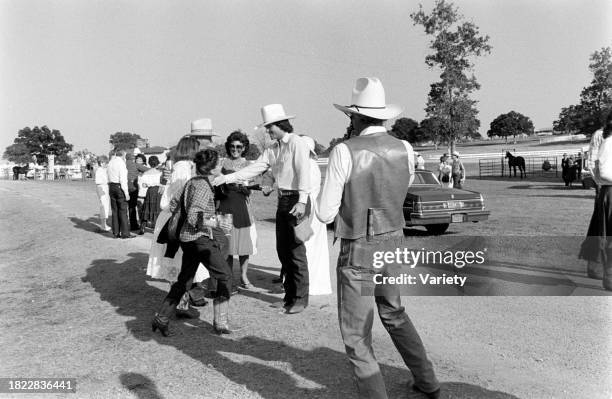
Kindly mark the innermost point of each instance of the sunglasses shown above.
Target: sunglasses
(236, 147)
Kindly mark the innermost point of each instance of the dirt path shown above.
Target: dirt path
(76, 303)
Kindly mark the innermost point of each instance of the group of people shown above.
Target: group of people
(596, 249)
(571, 169)
(451, 173)
(129, 192)
(201, 187)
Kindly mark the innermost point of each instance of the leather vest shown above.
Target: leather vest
(379, 179)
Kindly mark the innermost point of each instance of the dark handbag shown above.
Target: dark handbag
(170, 233)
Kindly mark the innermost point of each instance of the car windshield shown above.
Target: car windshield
(425, 178)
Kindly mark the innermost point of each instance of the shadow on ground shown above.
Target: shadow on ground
(245, 360)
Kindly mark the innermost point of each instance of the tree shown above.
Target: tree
(595, 99)
(510, 124)
(406, 129)
(455, 43)
(124, 140)
(432, 129)
(37, 143)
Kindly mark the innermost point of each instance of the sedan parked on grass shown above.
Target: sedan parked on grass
(430, 205)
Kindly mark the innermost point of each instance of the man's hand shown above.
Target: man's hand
(219, 180)
(266, 190)
(298, 210)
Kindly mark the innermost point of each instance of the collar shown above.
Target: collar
(286, 138)
(372, 129)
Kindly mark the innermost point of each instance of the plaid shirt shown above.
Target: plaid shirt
(198, 198)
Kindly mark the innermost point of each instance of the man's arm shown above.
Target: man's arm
(336, 176)
(258, 167)
(124, 181)
(410, 152)
(301, 165)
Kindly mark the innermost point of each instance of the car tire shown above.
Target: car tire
(437, 229)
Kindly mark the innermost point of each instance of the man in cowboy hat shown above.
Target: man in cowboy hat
(288, 159)
(458, 170)
(371, 158)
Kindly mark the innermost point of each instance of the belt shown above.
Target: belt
(118, 184)
(286, 193)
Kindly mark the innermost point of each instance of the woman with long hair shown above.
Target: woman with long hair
(202, 241)
(234, 200)
(159, 265)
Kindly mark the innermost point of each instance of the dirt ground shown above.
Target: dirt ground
(77, 303)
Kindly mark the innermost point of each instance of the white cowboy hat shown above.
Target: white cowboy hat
(455, 153)
(274, 113)
(368, 99)
(202, 127)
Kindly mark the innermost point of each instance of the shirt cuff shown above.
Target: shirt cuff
(303, 197)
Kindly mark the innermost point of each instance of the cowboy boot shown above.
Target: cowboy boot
(595, 270)
(161, 320)
(607, 276)
(221, 317)
(184, 310)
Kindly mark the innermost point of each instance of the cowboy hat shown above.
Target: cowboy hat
(202, 127)
(368, 99)
(455, 153)
(274, 113)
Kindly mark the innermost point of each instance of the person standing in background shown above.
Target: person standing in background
(119, 194)
(420, 162)
(101, 180)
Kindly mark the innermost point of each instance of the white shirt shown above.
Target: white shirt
(605, 162)
(150, 178)
(289, 160)
(420, 162)
(117, 173)
(101, 176)
(338, 171)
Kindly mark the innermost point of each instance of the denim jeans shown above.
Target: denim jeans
(119, 208)
(291, 254)
(356, 316)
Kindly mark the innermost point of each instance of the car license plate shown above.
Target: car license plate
(457, 218)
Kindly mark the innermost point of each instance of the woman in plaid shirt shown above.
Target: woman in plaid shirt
(202, 242)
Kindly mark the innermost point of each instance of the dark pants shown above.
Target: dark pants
(119, 208)
(291, 254)
(212, 254)
(133, 210)
(356, 316)
(457, 181)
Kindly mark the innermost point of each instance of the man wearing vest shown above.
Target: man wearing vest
(371, 170)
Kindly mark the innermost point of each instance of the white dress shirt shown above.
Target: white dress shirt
(289, 160)
(338, 171)
(605, 162)
(117, 173)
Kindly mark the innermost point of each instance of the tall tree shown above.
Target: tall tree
(510, 124)
(406, 129)
(124, 140)
(454, 43)
(595, 99)
(37, 143)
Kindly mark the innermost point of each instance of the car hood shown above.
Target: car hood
(436, 193)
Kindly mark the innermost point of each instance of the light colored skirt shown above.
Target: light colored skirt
(243, 241)
(317, 254)
(102, 190)
(163, 268)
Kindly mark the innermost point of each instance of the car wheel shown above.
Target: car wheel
(436, 229)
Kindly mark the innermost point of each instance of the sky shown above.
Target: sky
(93, 68)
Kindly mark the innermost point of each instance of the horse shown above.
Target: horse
(513, 162)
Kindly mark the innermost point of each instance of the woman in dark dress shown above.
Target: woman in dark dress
(234, 200)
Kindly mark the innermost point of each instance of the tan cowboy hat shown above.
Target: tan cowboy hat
(274, 113)
(202, 127)
(368, 99)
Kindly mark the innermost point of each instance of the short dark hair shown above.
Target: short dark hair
(153, 161)
(186, 149)
(237, 135)
(285, 126)
(141, 156)
(206, 160)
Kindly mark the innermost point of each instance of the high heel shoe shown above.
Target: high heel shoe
(162, 325)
